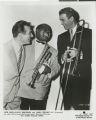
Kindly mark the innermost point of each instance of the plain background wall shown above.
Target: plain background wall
(36, 14)
(44, 13)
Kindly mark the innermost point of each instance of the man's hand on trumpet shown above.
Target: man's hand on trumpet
(69, 54)
(45, 69)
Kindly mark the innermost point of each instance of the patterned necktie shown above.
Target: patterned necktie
(19, 58)
(71, 34)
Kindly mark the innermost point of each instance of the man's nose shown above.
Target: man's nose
(62, 23)
(32, 35)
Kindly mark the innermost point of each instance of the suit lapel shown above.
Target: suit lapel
(68, 41)
(13, 58)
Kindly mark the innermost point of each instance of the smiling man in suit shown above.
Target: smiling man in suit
(14, 57)
(75, 41)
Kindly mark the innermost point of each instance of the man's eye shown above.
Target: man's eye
(62, 20)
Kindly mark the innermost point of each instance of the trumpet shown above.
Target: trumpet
(45, 57)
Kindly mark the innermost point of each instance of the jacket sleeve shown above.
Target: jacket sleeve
(55, 67)
(59, 50)
(61, 47)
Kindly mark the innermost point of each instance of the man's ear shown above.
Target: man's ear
(20, 35)
(71, 18)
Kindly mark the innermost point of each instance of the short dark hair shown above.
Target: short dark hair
(19, 27)
(70, 12)
(44, 32)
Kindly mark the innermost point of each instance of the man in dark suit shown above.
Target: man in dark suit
(74, 51)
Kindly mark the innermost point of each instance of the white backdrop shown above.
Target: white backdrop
(45, 13)
(40, 13)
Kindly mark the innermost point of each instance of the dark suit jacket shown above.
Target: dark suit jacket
(83, 82)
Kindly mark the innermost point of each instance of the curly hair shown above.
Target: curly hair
(44, 32)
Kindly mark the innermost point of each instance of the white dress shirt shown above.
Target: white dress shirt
(73, 30)
(38, 49)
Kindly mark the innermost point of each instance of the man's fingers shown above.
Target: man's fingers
(73, 48)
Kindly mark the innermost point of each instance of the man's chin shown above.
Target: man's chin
(65, 28)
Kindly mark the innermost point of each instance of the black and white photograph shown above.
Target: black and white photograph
(48, 59)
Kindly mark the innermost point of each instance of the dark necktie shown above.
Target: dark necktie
(19, 58)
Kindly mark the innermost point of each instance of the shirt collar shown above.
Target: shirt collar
(16, 46)
(74, 29)
(39, 43)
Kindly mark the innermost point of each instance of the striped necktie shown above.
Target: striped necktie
(19, 58)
